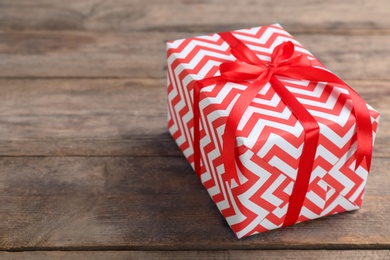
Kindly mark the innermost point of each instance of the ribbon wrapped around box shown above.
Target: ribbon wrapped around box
(274, 136)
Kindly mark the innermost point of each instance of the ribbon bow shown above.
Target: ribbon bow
(248, 67)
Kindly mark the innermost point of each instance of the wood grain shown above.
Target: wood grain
(368, 16)
(43, 54)
(207, 255)
(155, 203)
(111, 117)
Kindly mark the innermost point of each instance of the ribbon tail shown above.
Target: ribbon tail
(232, 122)
(360, 110)
(364, 132)
(360, 158)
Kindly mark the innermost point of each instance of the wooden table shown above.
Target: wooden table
(87, 167)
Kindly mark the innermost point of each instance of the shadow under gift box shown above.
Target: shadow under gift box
(269, 138)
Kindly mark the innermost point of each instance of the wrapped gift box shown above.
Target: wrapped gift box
(269, 138)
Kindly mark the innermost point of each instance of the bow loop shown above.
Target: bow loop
(282, 52)
(248, 67)
(239, 50)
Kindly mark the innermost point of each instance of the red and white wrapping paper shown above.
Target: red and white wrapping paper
(269, 137)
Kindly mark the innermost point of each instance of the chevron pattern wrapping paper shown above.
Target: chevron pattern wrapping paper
(269, 138)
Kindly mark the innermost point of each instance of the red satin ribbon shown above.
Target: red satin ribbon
(283, 63)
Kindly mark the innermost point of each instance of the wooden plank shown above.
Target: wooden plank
(84, 117)
(155, 203)
(82, 108)
(207, 255)
(111, 117)
(189, 15)
(38, 54)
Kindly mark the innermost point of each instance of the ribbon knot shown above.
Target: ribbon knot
(271, 66)
(284, 62)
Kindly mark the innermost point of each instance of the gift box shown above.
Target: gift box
(274, 136)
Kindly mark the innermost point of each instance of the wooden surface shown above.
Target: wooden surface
(207, 255)
(87, 167)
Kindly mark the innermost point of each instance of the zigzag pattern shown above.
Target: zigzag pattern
(270, 138)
